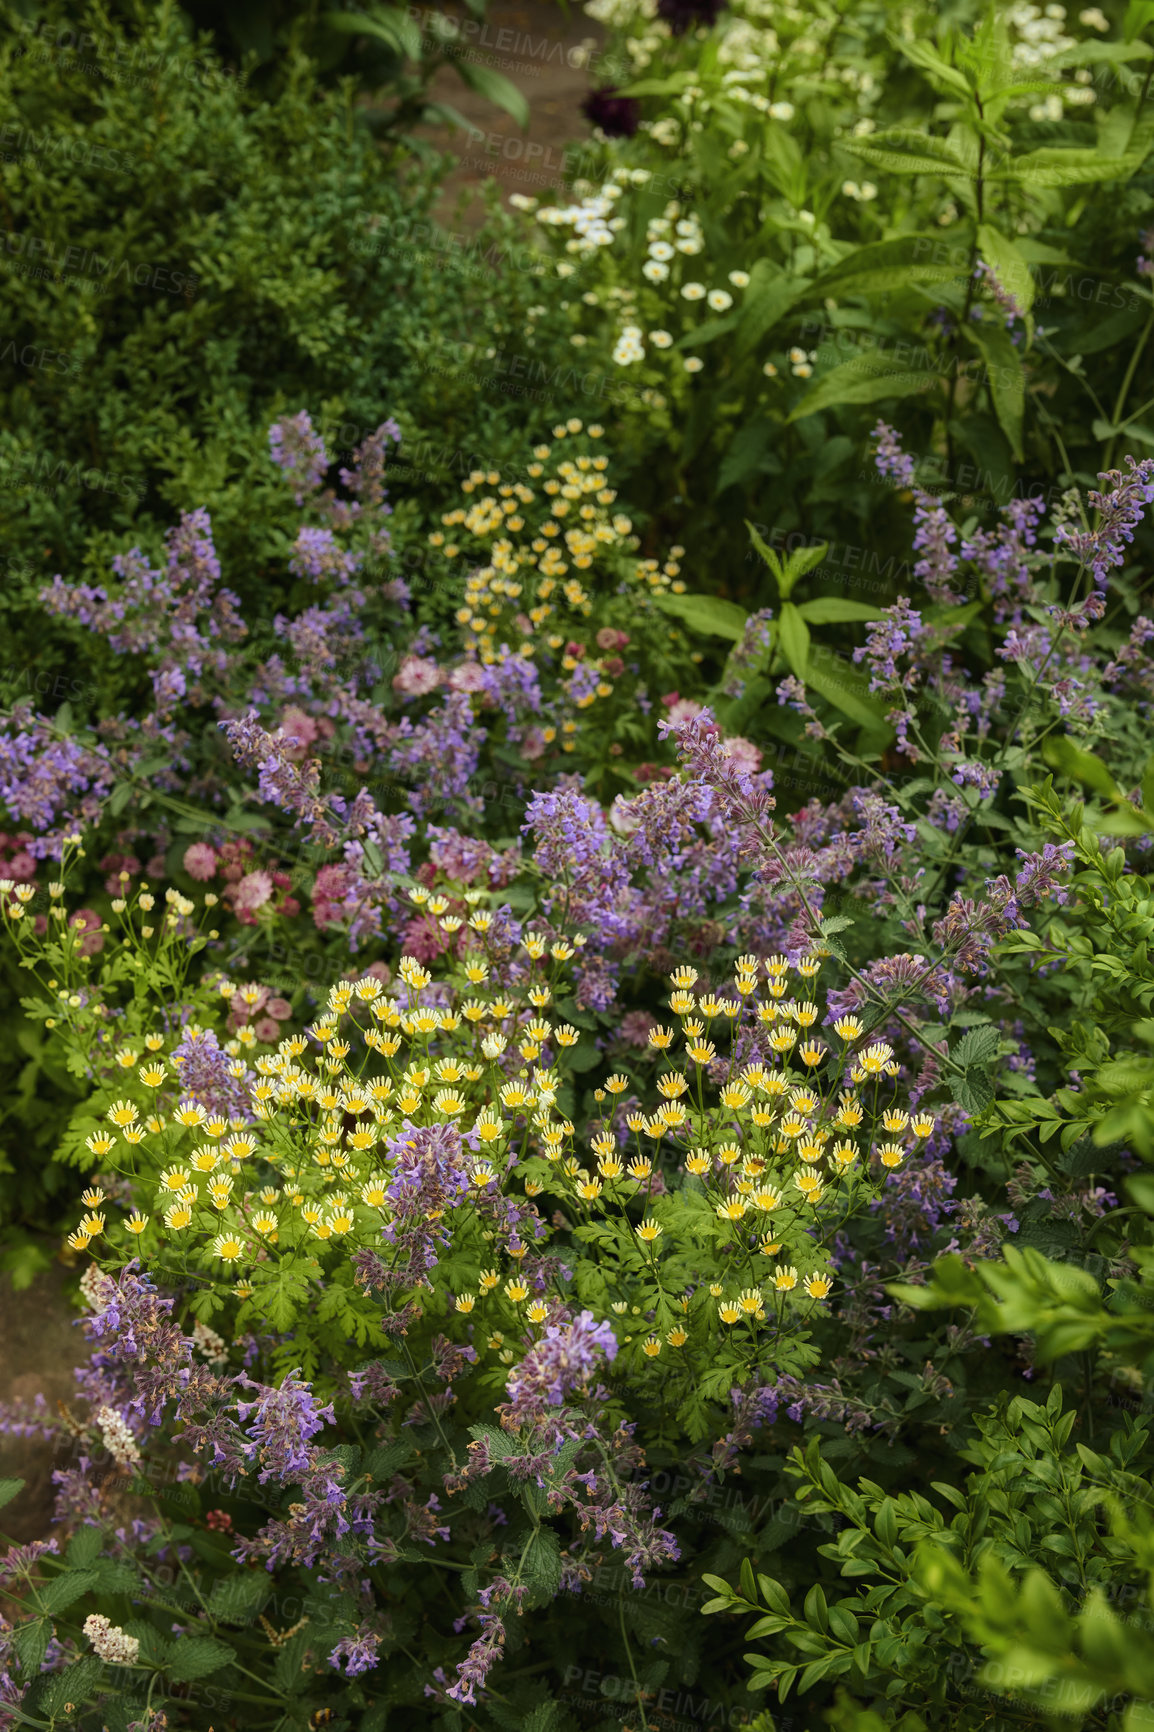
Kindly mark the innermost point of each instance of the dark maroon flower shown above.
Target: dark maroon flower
(617, 116)
(683, 15)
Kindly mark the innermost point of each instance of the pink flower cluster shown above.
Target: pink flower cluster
(260, 1008)
(245, 889)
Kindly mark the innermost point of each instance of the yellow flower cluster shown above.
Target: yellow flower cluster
(534, 541)
(737, 1159)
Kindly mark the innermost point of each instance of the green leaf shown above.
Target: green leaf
(904, 150)
(866, 378)
(768, 296)
(10, 1488)
(749, 445)
(977, 1046)
(388, 24)
(887, 265)
(197, 1657)
(708, 615)
(800, 561)
(816, 1614)
(1007, 264)
(495, 87)
(62, 1590)
(238, 1597)
(1063, 755)
(793, 636)
(1053, 166)
(940, 73)
(1148, 785)
(84, 1546)
(847, 689)
(69, 1686)
(543, 1564)
(831, 610)
(1004, 377)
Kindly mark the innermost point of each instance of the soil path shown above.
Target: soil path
(42, 1344)
(553, 54)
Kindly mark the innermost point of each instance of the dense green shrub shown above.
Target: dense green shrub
(183, 261)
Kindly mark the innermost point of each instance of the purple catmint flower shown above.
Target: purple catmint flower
(1120, 511)
(561, 1362)
(300, 452)
(358, 1651)
(283, 1420)
(748, 655)
(207, 1074)
(934, 535)
(1039, 874)
(316, 555)
(1010, 309)
(440, 753)
(895, 635)
(54, 785)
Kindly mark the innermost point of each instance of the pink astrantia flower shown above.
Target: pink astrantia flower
(683, 710)
(253, 891)
(267, 1030)
(468, 677)
(416, 676)
(743, 754)
(200, 862)
(299, 728)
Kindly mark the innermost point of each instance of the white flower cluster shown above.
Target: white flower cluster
(592, 220)
(111, 1642)
(118, 1440)
(629, 347)
(1040, 34)
(208, 1342)
(96, 1288)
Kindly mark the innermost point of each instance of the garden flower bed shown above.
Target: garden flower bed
(580, 1009)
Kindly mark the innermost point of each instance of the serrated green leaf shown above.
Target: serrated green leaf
(885, 265)
(904, 150)
(198, 1656)
(58, 1594)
